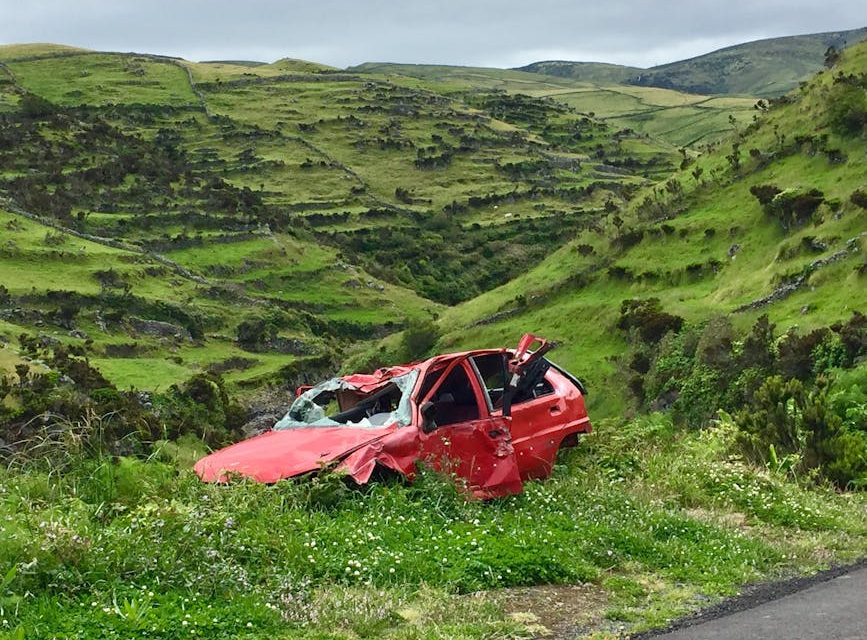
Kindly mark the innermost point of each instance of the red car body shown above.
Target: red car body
(447, 411)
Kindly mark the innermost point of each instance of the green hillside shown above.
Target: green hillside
(593, 72)
(301, 196)
(763, 68)
(183, 244)
(703, 245)
(668, 117)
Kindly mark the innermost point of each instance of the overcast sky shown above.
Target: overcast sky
(502, 33)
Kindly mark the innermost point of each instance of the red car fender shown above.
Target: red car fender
(397, 451)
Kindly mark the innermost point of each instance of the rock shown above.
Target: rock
(158, 329)
(46, 341)
(260, 424)
(664, 401)
(734, 250)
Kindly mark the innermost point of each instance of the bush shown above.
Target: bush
(859, 198)
(254, 334)
(765, 193)
(786, 418)
(33, 106)
(847, 109)
(793, 207)
(419, 337)
(648, 319)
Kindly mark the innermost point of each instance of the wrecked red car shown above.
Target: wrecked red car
(494, 417)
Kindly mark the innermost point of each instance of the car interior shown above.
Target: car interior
(454, 401)
(377, 408)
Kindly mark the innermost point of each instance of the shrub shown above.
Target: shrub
(33, 106)
(795, 359)
(859, 198)
(793, 207)
(648, 319)
(765, 193)
(787, 418)
(758, 347)
(418, 338)
(847, 109)
(254, 334)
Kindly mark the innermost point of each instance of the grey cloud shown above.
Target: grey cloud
(479, 32)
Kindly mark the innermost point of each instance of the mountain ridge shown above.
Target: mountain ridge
(736, 69)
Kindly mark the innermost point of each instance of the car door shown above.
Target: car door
(519, 382)
(537, 411)
(460, 436)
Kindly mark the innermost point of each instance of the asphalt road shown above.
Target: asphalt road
(834, 609)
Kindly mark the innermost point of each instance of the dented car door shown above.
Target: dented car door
(460, 436)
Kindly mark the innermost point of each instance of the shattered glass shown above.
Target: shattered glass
(310, 408)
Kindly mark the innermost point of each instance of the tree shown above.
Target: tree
(734, 158)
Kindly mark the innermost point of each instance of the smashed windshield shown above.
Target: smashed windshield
(337, 403)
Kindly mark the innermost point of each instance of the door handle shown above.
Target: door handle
(555, 409)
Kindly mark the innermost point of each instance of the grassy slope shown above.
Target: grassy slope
(318, 147)
(668, 116)
(583, 317)
(763, 68)
(594, 72)
(654, 521)
(36, 269)
(769, 67)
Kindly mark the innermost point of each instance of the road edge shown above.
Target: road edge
(752, 596)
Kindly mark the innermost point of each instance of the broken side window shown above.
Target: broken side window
(533, 383)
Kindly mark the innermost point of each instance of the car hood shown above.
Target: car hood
(276, 455)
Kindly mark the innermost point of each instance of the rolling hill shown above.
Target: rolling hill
(181, 244)
(765, 68)
(314, 206)
(669, 117)
(703, 245)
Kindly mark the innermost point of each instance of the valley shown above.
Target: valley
(182, 244)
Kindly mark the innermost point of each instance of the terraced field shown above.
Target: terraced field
(669, 117)
(298, 195)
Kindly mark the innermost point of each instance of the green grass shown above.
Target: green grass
(715, 213)
(654, 519)
(300, 272)
(97, 78)
(142, 373)
(650, 516)
(670, 118)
